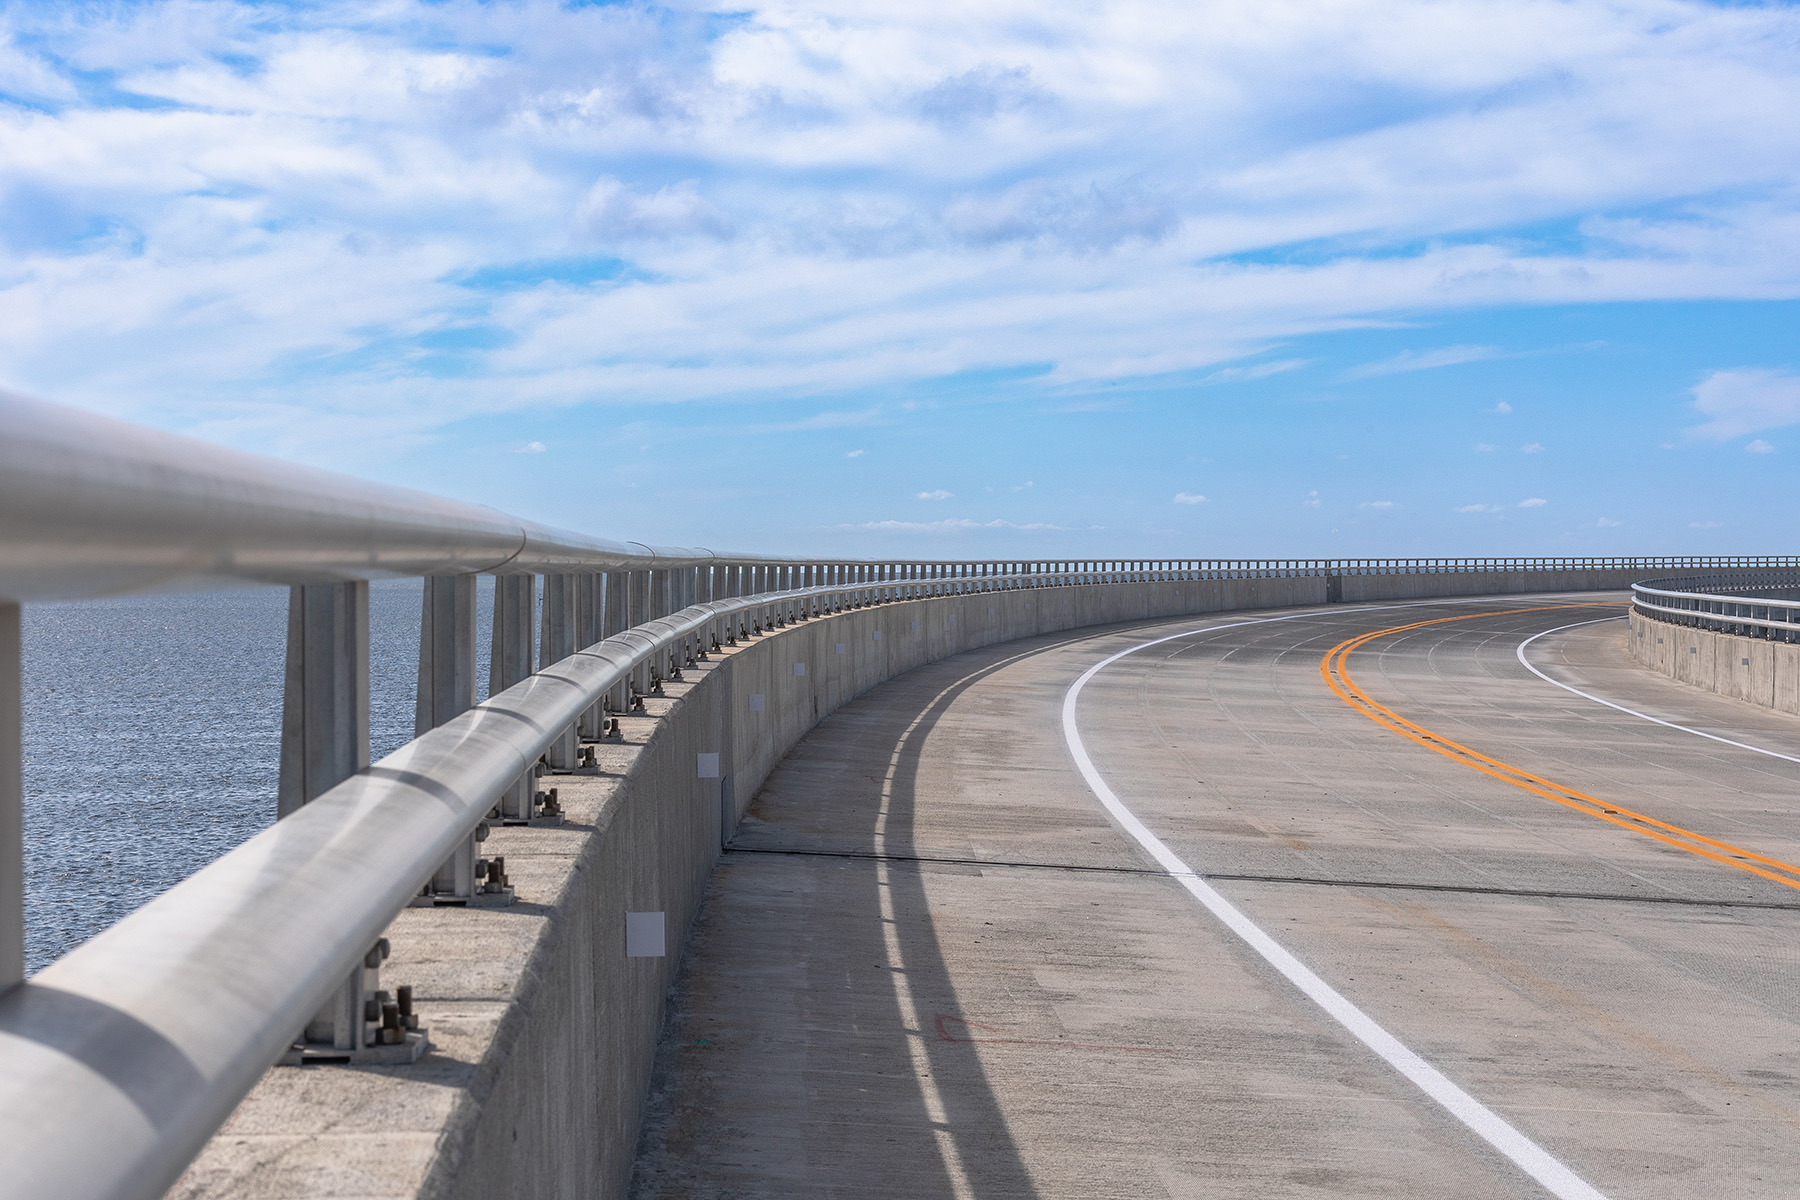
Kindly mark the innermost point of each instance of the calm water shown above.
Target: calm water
(152, 738)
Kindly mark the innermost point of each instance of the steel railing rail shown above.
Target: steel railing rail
(1722, 603)
(90, 506)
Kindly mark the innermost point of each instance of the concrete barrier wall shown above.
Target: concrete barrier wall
(1363, 588)
(543, 1030)
(1753, 669)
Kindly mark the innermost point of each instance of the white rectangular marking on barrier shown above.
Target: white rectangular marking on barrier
(799, 668)
(840, 647)
(708, 765)
(756, 701)
(644, 935)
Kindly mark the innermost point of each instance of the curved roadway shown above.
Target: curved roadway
(935, 965)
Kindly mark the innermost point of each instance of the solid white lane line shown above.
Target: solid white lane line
(1531, 1158)
(1632, 711)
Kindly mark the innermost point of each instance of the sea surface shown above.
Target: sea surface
(153, 735)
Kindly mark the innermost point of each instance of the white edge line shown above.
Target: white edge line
(1526, 1154)
(1526, 663)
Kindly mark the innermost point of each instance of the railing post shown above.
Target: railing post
(12, 801)
(446, 691)
(613, 609)
(588, 632)
(515, 620)
(557, 642)
(324, 741)
(446, 652)
(325, 702)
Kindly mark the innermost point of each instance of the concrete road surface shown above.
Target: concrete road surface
(933, 965)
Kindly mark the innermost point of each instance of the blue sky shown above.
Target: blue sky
(1350, 278)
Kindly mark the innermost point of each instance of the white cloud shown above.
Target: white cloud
(1378, 504)
(1533, 502)
(531, 448)
(590, 202)
(1407, 360)
(1608, 523)
(939, 494)
(1532, 448)
(855, 453)
(613, 212)
(1027, 484)
(1485, 447)
(1311, 501)
(1482, 508)
(1759, 447)
(1189, 498)
(1503, 408)
(1746, 400)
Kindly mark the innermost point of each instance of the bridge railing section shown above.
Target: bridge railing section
(1760, 604)
(119, 1060)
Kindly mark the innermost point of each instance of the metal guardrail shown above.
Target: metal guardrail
(1765, 605)
(119, 1060)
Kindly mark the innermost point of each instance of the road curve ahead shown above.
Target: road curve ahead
(1345, 902)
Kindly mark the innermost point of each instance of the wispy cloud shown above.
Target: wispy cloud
(1481, 508)
(938, 494)
(1410, 360)
(1532, 448)
(1759, 447)
(531, 448)
(1379, 505)
(948, 525)
(1608, 523)
(855, 453)
(1503, 408)
(1746, 400)
(1189, 498)
(1251, 373)
(1533, 502)
(824, 420)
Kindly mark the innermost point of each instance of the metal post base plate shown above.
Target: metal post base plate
(499, 899)
(397, 1054)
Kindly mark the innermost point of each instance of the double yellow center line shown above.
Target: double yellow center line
(1333, 668)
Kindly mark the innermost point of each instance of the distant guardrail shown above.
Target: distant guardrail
(118, 1061)
(1763, 604)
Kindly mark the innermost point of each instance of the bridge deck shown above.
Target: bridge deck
(932, 965)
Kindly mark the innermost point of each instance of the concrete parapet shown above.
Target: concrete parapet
(543, 1028)
(1364, 588)
(1753, 669)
